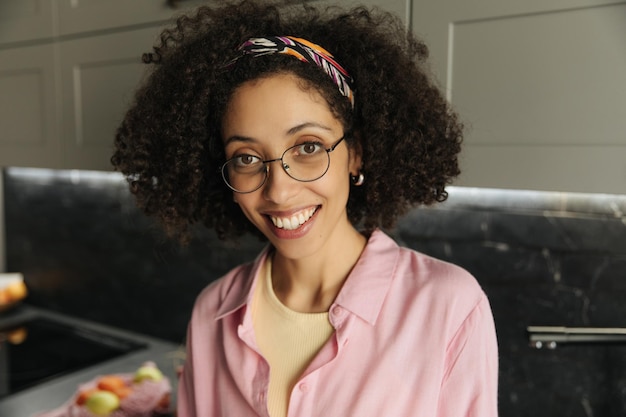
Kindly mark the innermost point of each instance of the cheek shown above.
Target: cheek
(335, 183)
(341, 173)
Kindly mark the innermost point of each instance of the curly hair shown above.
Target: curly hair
(169, 144)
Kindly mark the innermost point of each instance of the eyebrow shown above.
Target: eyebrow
(289, 132)
(306, 125)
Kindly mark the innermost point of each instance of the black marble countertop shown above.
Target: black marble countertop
(54, 393)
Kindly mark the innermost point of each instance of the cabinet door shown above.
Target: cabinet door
(25, 20)
(99, 76)
(29, 125)
(76, 16)
(541, 85)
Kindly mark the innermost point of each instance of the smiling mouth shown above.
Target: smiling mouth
(295, 221)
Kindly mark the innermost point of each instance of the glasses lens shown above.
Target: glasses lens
(306, 162)
(244, 175)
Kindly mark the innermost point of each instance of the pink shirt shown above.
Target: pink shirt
(414, 336)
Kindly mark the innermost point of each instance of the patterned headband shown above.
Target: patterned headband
(305, 51)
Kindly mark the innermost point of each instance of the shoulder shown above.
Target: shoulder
(442, 281)
(427, 271)
(409, 275)
(418, 269)
(437, 283)
(439, 292)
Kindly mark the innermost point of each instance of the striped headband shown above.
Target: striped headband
(305, 51)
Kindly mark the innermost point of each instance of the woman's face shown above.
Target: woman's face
(265, 117)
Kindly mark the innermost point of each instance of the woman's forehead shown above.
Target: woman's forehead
(276, 105)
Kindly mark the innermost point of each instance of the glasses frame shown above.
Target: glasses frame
(283, 166)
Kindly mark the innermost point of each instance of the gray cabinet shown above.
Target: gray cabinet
(98, 76)
(29, 106)
(68, 69)
(82, 16)
(26, 20)
(60, 102)
(541, 86)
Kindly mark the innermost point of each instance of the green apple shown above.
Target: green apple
(148, 373)
(102, 403)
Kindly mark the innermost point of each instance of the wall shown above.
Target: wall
(542, 258)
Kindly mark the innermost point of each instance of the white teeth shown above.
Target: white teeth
(293, 222)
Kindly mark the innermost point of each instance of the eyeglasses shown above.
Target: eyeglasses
(305, 162)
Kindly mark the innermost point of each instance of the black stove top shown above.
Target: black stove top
(38, 350)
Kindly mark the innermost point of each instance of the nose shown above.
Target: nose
(279, 187)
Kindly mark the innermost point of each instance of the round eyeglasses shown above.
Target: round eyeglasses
(304, 162)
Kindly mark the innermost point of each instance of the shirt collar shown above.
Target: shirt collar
(365, 290)
(242, 287)
(362, 294)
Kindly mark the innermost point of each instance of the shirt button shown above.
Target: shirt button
(304, 387)
(337, 311)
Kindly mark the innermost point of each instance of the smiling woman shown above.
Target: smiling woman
(312, 129)
(316, 184)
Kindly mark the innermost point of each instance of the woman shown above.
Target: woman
(314, 130)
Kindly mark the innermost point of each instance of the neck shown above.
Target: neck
(310, 285)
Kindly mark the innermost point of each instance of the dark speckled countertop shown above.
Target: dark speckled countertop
(55, 392)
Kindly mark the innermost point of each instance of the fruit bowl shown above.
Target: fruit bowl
(143, 393)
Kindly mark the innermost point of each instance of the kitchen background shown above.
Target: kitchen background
(543, 258)
(540, 84)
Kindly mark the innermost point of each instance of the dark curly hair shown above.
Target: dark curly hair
(169, 144)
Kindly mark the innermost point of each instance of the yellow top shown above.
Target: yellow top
(287, 339)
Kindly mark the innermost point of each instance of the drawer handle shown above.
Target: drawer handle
(551, 336)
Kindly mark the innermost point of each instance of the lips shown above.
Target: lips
(293, 221)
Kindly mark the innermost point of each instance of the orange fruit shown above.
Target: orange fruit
(123, 392)
(111, 383)
(16, 290)
(82, 396)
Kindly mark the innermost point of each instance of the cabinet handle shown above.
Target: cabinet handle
(550, 336)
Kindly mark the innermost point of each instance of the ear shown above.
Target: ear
(355, 155)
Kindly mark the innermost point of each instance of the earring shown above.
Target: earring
(357, 181)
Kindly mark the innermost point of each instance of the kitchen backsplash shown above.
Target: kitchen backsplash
(554, 259)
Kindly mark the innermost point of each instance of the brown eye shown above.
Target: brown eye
(245, 163)
(309, 148)
(247, 159)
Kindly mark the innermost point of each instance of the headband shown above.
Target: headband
(303, 50)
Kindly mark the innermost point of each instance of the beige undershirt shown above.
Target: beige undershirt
(287, 339)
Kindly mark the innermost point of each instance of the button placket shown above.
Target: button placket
(336, 315)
